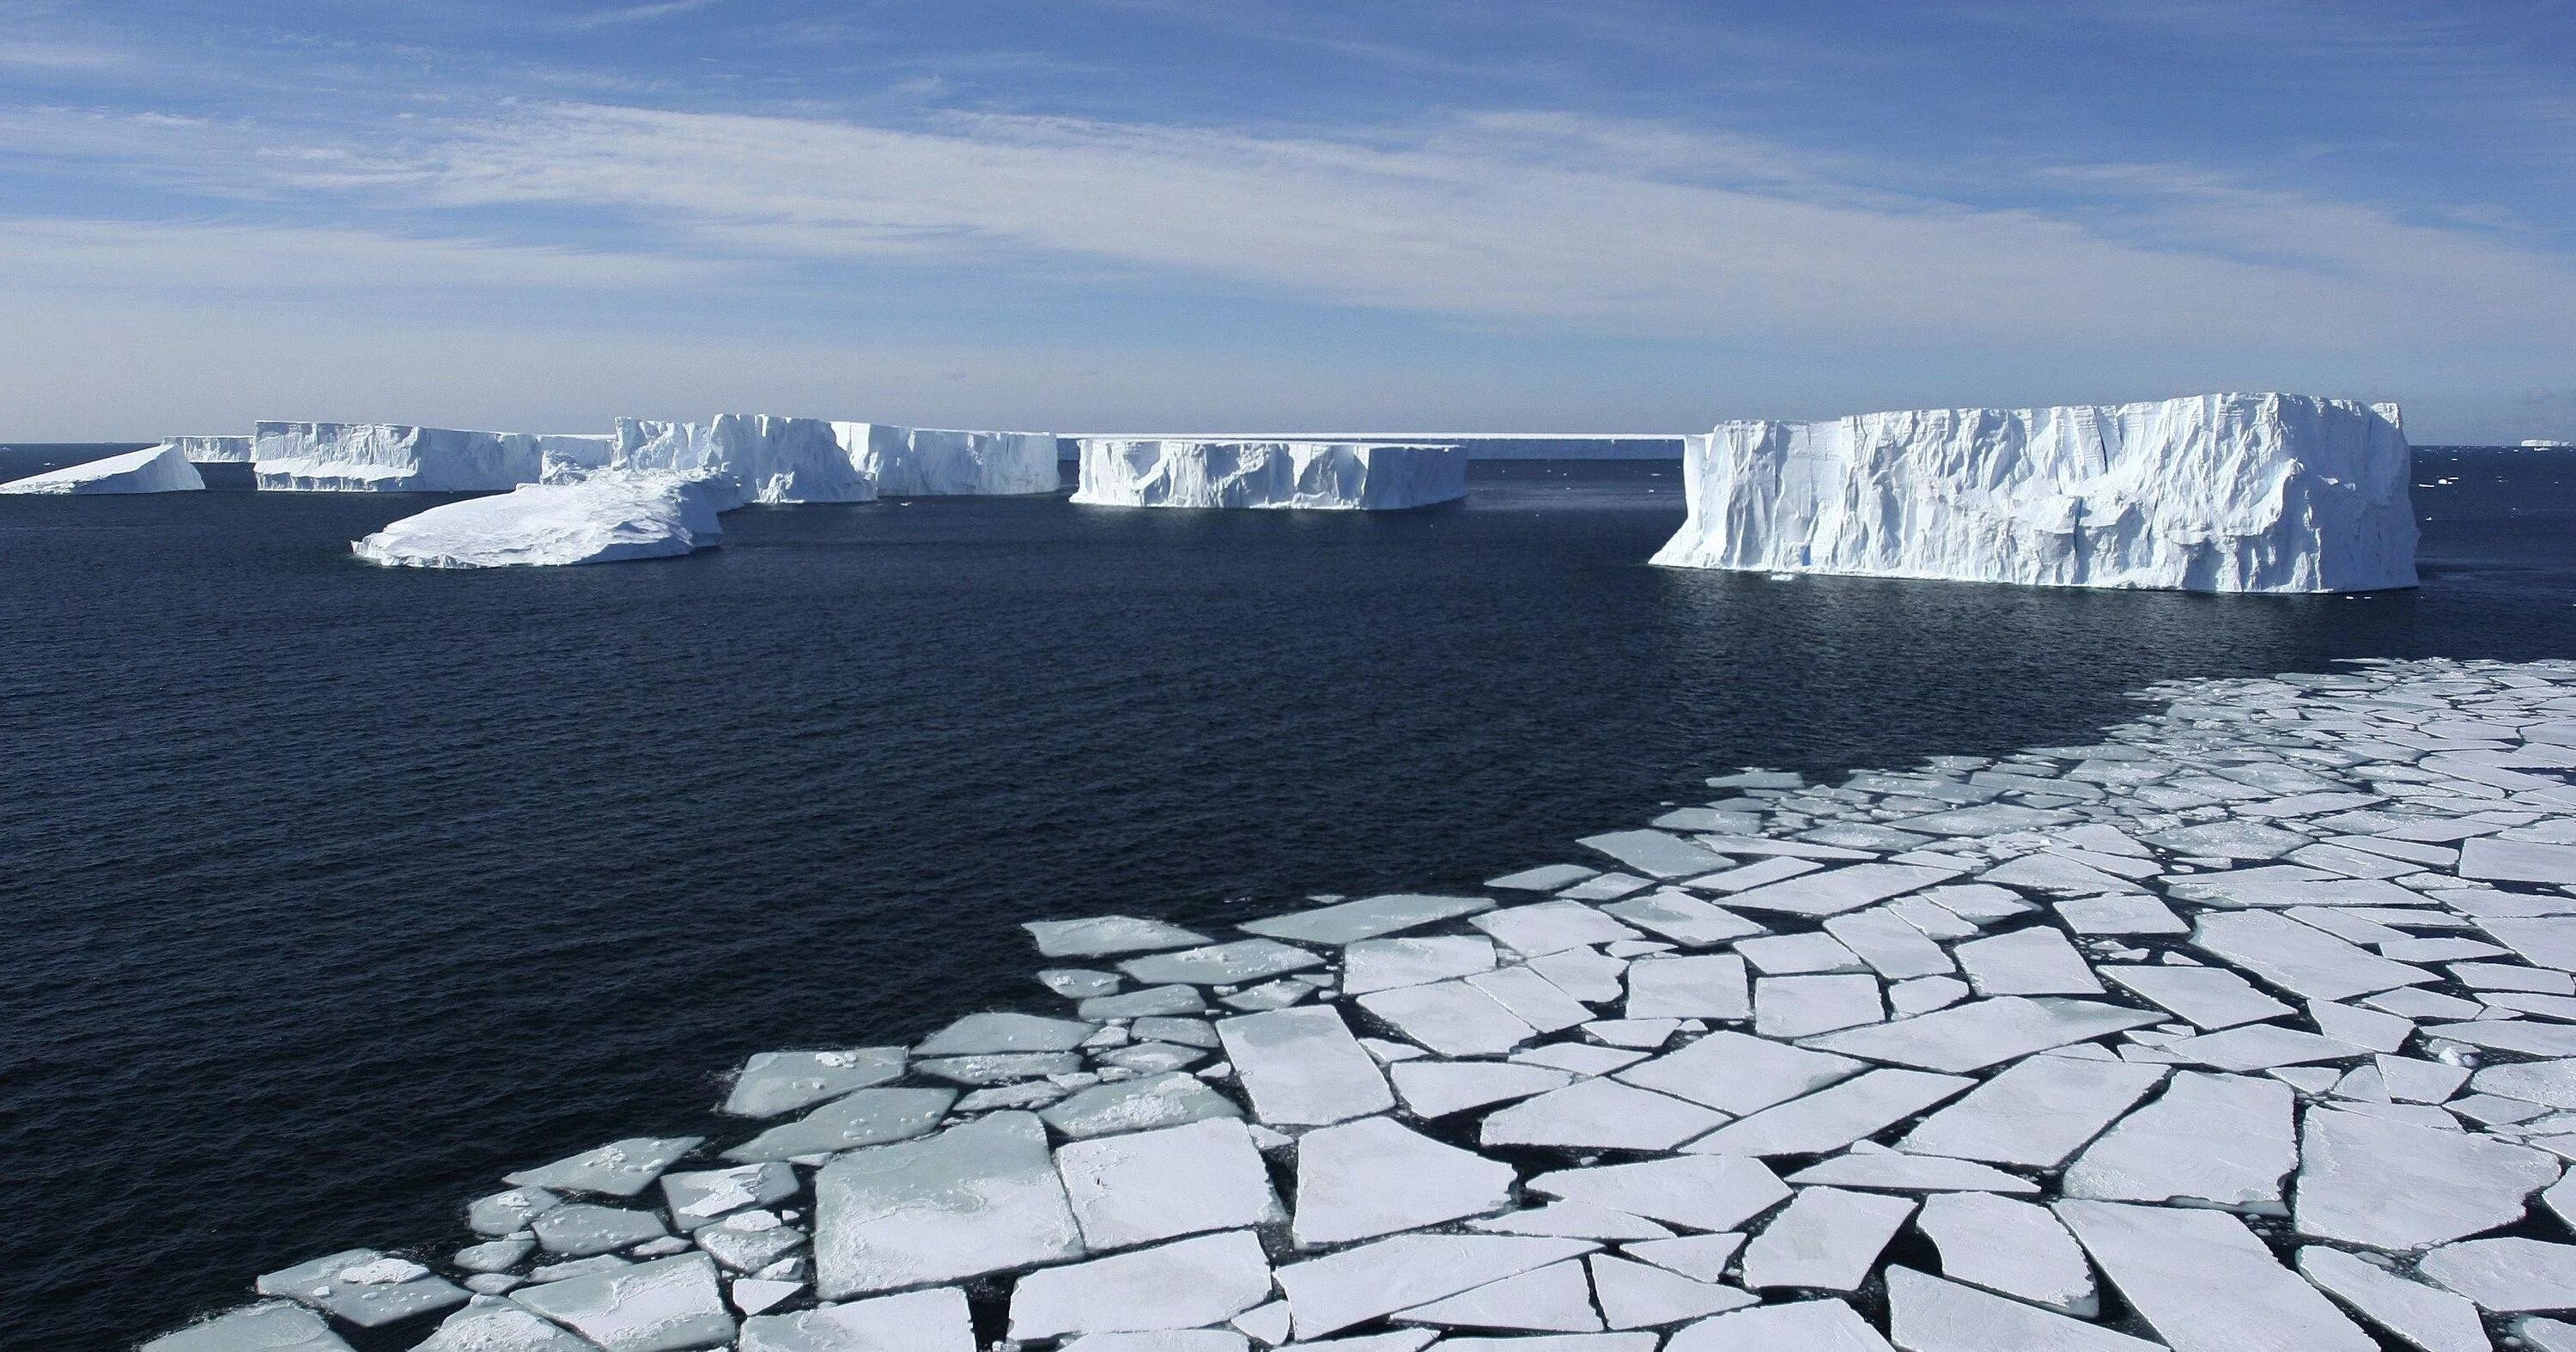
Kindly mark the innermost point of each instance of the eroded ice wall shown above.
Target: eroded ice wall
(605, 517)
(1298, 474)
(2215, 493)
(154, 469)
(213, 450)
(390, 458)
(777, 459)
(923, 462)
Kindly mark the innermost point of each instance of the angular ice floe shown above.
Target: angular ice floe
(772, 1083)
(1833, 1117)
(867, 1117)
(1433, 1089)
(1351, 1286)
(1103, 935)
(977, 1198)
(2392, 1185)
(1927, 1314)
(775, 459)
(922, 462)
(1982, 1033)
(1351, 921)
(1657, 853)
(2211, 997)
(1151, 1185)
(1598, 1114)
(2507, 1275)
(1289, 474)
(1557, 1297)
(2224, 1140)
(490, 1324)
(700, 1197)
(364, 1287)
(2297, 958)
(986, 1034)
(1835, 891)
(1221, 964)
(1807, 1325)
(1184, 1284)
(2205, 1283)
(1797, 1006)
(1874, 1168)
(272, 1326)
(2035, 1112)
(662, 1306)
(1684, 919)
(2225, 492)
(2424, 1316)
(618, 1169)
(1375, 1176)
(1141, 1104)
(1449, 1017)
(917, 1321)
(1633, 1295)
(2018, 1248)
(582, 1229)
(1302, 1067)
(155, 469)
(605, 518)
(1826, 1240)
(388, 458)
(1699, 1192)
(1704, 986)
(2036, 960)
(1738, 1073)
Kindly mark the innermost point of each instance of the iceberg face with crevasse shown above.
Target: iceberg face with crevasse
(2214, 493)
(776, 459)
(313, 457)
(926, 462)
(213, 450)
(1325, 475)
(154, 469)
(603, 518)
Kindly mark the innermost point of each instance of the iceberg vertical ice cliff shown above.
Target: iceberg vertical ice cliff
(603, 518)
(2216, 493)
(154, 469)
(1297, 474)
(389, 458)
(213, 450)
(777, 459)
(923, 462)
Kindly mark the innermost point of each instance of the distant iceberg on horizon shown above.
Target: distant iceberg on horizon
(1302, 475)
(154, 469)
(2212, 493)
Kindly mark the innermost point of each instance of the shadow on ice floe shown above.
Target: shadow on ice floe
(2211, 493)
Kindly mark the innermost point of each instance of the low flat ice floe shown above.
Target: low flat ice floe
(2251, 1025)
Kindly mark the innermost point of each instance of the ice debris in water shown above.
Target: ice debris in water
(2327, 1104)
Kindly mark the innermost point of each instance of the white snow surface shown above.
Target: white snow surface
(605, 518)
(315, 457)
(2212, 493)
(154, 469)
(928, 462)
(1325, 475)
(777, 459)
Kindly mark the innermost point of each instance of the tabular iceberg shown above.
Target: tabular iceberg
(213, 450)
(777, 459)
(389, 458)
(604, 518)
(2216, 493)
(1296, 474)
(154, 469)
(923, 462)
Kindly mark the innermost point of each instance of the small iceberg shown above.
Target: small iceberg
(604, 518)
(154, 469)
(1313, 475)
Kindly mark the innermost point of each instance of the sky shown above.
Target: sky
(1277, 215)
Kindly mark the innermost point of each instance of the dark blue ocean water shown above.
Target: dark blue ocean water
(333, 892)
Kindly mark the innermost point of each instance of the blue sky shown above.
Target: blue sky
(1089, 215)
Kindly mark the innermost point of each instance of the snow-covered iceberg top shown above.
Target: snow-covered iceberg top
(924, 462)
(154, 469)
(390, 458)
(777, 459)
(1307, 474)
(604, 518)
(214, 450)
(2216, 493)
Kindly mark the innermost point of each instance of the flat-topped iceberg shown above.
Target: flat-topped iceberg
(925, 462)
(2215, 493)
(1300, 474)
(604, 518)
(214, 450)
(154, 469)
(314, 457)
(777, 459)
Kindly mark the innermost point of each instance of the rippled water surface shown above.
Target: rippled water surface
(333, 892)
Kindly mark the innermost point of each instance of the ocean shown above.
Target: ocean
(335, 891)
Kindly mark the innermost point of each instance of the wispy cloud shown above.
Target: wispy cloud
(626, 14)
(237, 259)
